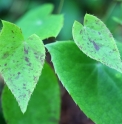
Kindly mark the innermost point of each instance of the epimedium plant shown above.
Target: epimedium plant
(24, 55)
(92, 79)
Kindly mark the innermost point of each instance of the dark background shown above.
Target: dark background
(106, 10)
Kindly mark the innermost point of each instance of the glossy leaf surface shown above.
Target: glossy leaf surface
(95, 88)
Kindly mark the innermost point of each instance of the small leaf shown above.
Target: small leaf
(97, 89)
(44, 105)
(41, 22)
(96, 41)
(21, 62)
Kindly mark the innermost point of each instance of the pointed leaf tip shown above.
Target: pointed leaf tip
(21, 62)
(39, 105)
(23, 109)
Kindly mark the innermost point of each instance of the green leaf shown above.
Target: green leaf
(97, 89)
(96, 41)
(44, 105)
(21, 62)
(41, 22)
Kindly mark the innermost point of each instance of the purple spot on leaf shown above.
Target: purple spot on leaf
(25, 50)
(95, 45)
(26, 59)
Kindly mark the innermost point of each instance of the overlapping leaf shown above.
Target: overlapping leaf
(96, 41)
(21, 62)
(41, 22)
(44, 105)
(95, 88)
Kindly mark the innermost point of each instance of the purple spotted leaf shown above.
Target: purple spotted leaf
(21, 62)
(96, 41)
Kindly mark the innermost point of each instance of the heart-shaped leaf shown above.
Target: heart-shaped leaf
(41, 22)
(96, 41)
(96, 88)
(44, 105)
(21, 62)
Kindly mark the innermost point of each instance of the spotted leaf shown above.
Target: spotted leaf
(97, 42)
(42, 108)
(21, 62)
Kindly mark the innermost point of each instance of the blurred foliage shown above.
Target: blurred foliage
(38, 20)
(71, 13)
(109, 11)
(12, 10)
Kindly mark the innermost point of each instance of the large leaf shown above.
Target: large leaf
(96, 41)
(21, 62)
(39, 21)
(44, 105)
(96, 88)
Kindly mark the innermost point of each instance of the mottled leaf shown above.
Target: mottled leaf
(96, 41)
(21, 62)
(95, 88)
(44, 105)
(41, 22)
